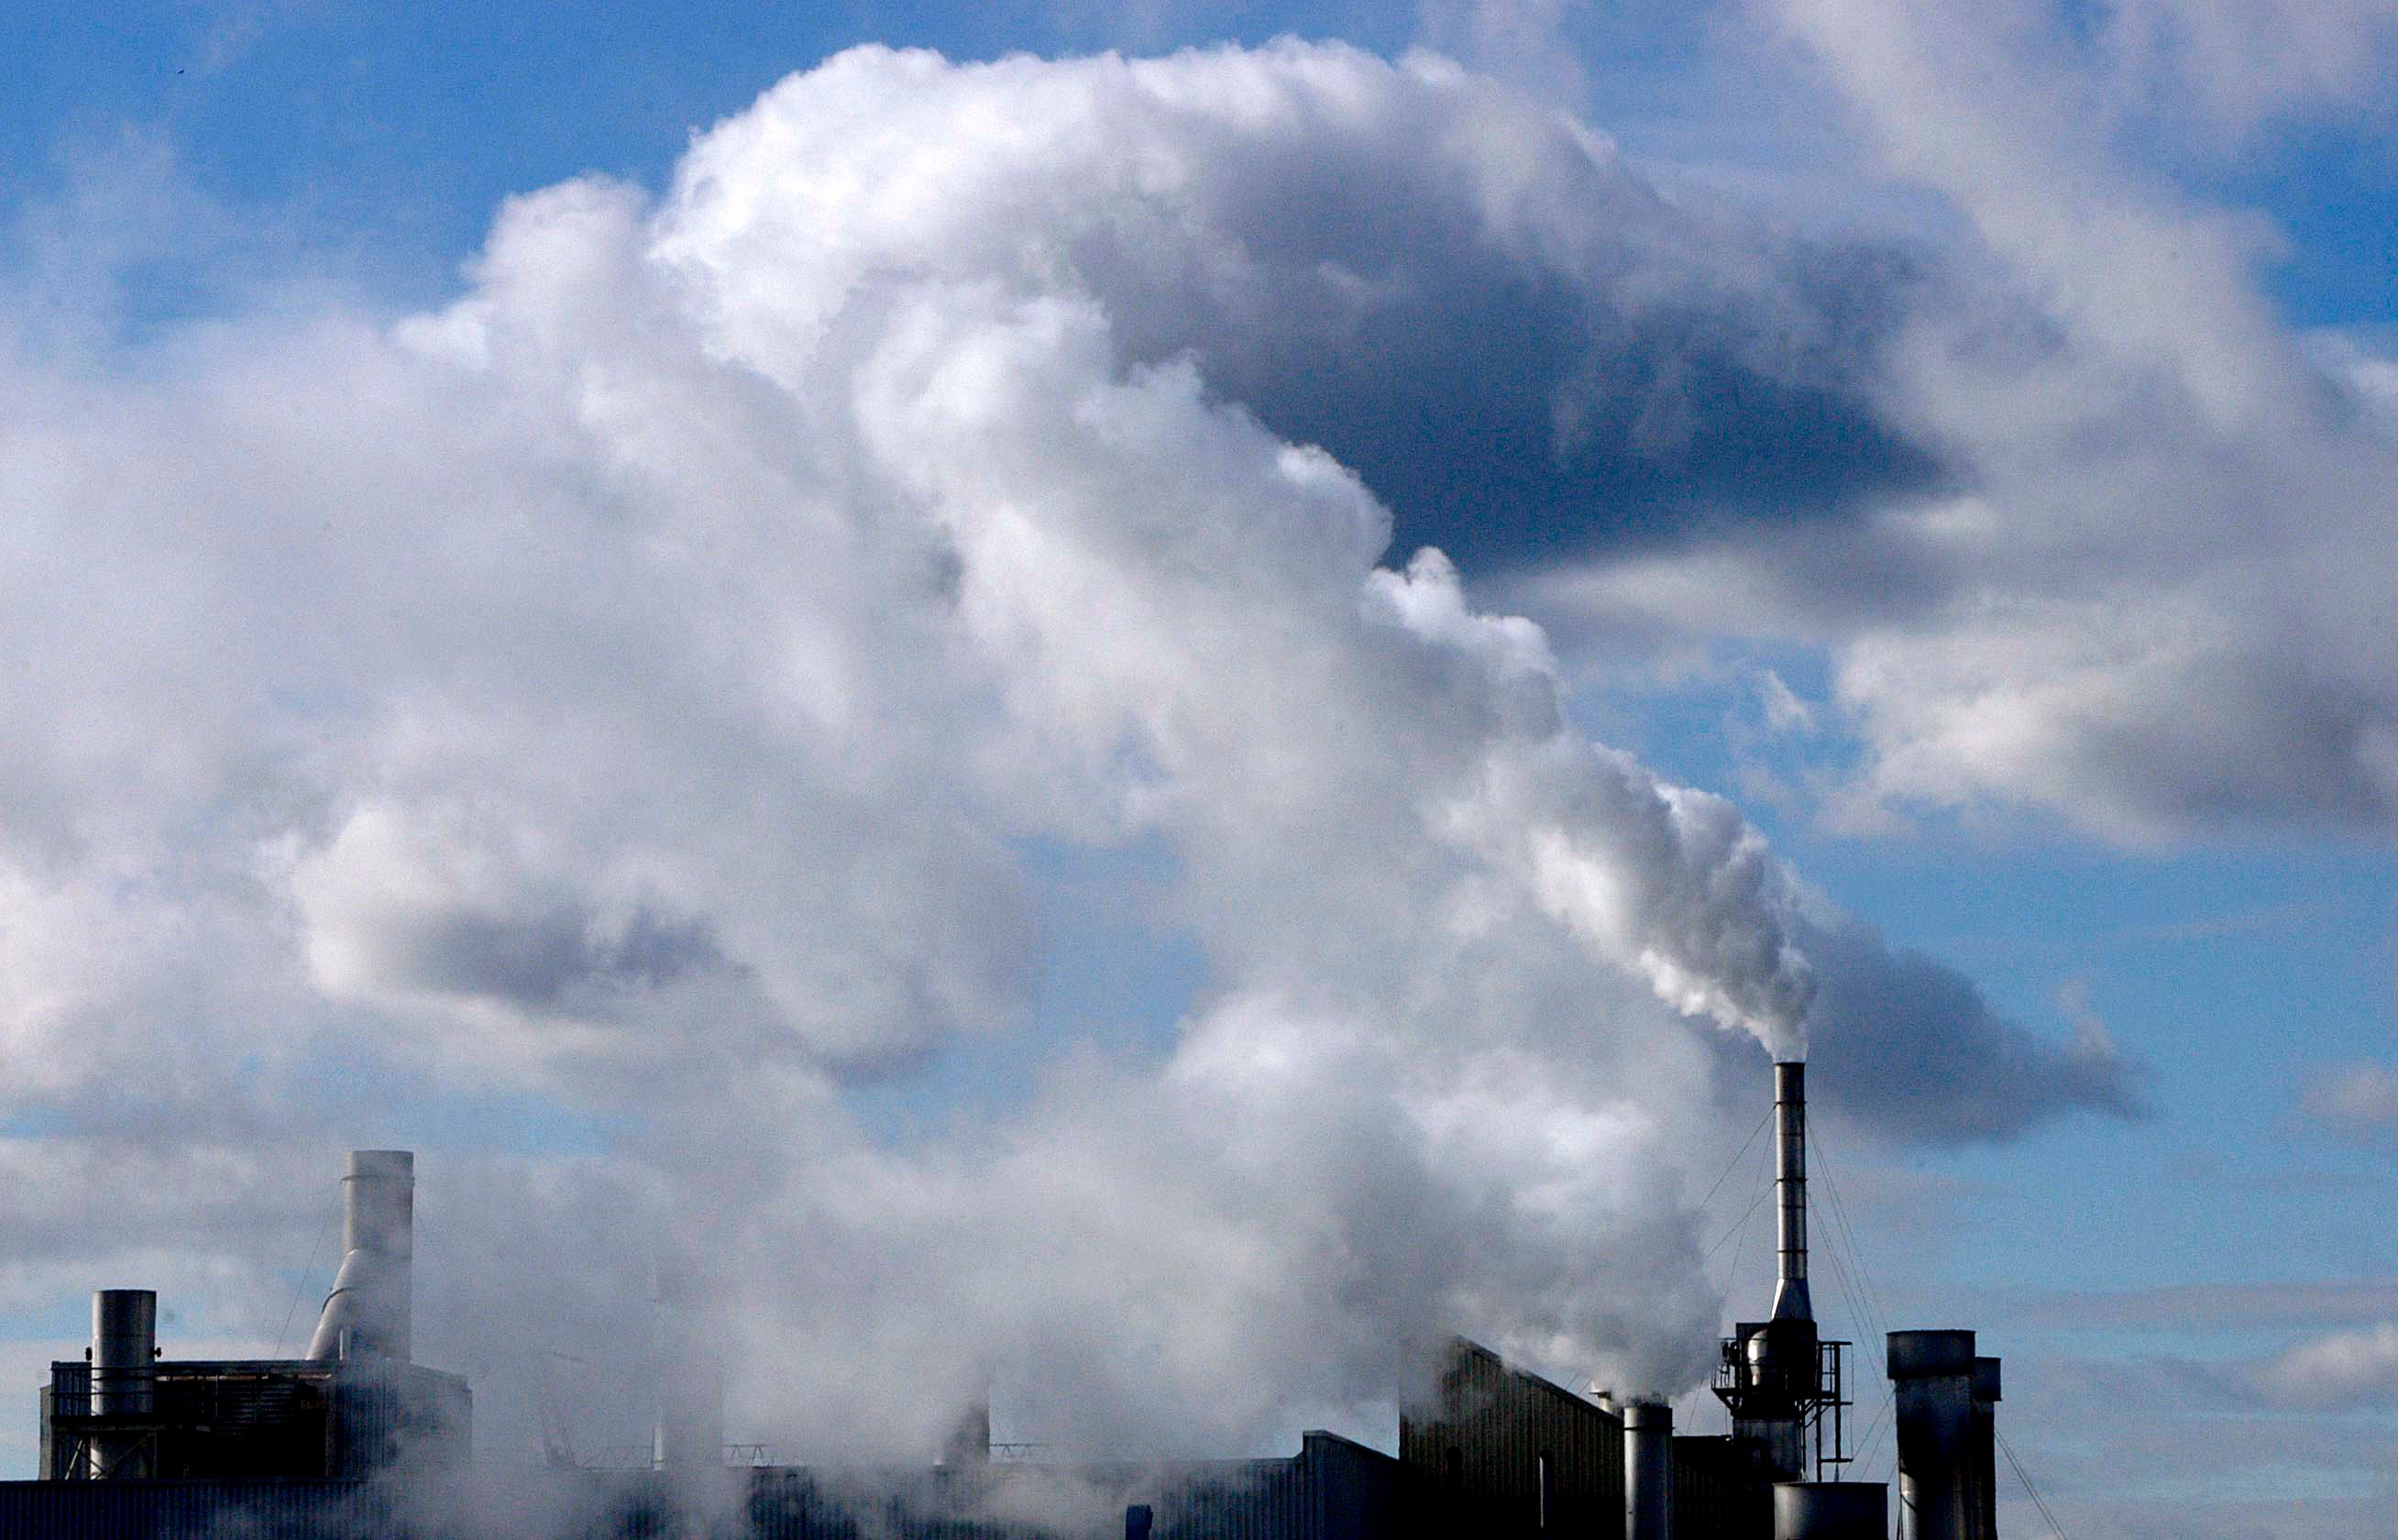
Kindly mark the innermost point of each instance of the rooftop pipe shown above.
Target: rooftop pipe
(124, 1381)
(1932, 1376)
(1648, 1471)
(368, 1313)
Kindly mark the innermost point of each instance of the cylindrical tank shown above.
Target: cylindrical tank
(124, 1378)
(1932, 1378)
(1986, 1434)
(1831, 1510)
(1648, 1471)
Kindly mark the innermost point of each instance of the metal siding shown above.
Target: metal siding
(1719, 1492)
(186, 1510)
(1214, 1499)
(388, 1415)
(1352, 1491)
(1500, 1421)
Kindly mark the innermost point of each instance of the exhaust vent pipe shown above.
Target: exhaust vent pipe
(124, 1382)
(1772, 1378)
(1648, 1471)
(1831, 1510)
(1790, 1298)
(368, 1313)
(1932, 1375)
(1985, 1438)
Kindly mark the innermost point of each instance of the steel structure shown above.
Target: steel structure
(1783, 1382)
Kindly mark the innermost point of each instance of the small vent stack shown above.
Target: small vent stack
(368, 1313)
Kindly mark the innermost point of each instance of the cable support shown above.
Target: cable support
(1842, 1223)
(1870, 1320)
(299, 1290)
(1858, 1312)
(1739, 1226)
(1735, 1161)
(2025, 1477)
(1842, 1231)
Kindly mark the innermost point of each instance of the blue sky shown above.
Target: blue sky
(1962, 449)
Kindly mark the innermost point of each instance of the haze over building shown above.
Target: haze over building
(356, 1442)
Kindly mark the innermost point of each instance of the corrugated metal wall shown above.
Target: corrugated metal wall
(1720, 1490)
(189, 1510)
(1352, 1491)
(1209, 1500)
(1472, 1461)
(1333, 1490)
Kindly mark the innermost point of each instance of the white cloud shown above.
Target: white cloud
(2339, 1368)
(630, 684)
(2136, 594)
(2235, 64)
(2353, 1098)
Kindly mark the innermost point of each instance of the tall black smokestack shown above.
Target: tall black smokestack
(1790, 1298)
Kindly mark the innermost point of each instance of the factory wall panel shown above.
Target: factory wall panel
(191, 1510)
(399, 1417)
(1721, 1491)
(1207, 1500)
(1332, 1490)
(1352, 1491)
(1503, 1454)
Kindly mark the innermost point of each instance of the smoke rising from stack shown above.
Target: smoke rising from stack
(711, 626)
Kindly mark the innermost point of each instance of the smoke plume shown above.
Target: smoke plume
(632, 693)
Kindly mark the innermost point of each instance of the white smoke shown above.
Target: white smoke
(634, 684)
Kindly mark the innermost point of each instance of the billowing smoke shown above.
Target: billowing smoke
(644, 689)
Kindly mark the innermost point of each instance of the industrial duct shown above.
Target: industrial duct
(1986, 1435)
(1932, 1376)
(368, 1313)
(1648, 1471)
(1790, 1298)
(1831, 1510)
(124, 1382)
(1779, 1368)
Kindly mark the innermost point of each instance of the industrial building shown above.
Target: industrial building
(356, 1442)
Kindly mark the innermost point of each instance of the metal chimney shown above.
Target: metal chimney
(1831, 1510)
(1986, 1434)
(368, 1313)
(124, 1382)
(1932, 1376)
(1773, 1380)
(1790, 1297)
(1648, 1471)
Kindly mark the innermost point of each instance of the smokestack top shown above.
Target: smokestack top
(124, 1329)
(124, 1380)
(1930, 1354)
(1648, 1416)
